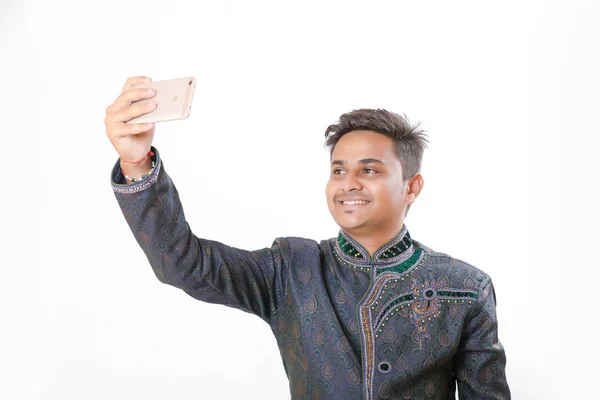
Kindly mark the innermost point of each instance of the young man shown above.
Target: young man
(372, 313)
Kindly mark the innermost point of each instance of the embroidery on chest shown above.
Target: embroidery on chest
(425, 306)
(424, 301)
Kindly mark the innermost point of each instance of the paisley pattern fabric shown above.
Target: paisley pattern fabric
(406, 323)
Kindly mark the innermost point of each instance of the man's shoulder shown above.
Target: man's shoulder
(297, 245)
(301, 248)
(302, 242)
(455, 271)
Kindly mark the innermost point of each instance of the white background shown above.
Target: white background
(507, 91)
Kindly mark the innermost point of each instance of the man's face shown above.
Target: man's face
(365, 192)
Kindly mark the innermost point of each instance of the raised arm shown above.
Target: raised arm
(480, 360)
(207, 270)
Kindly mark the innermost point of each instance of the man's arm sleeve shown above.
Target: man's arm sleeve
(205, 269)
(480, 360)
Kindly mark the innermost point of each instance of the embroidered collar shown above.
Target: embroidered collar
(398, 253)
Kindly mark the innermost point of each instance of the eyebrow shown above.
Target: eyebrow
(363, 161)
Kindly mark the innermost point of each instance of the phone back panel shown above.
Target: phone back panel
(173, 100)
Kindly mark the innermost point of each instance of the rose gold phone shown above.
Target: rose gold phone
(173, 100)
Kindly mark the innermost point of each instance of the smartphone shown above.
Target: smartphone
(173, 100)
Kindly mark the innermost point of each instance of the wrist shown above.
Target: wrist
(137, 172)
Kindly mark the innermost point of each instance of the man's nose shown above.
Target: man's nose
(351, 183)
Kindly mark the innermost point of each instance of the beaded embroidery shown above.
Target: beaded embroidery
(406, 300)
(348, 248)
(402, 267)
(398, 248)
(394, 254)
(141, 185)
(425, 306)
(390, 265)
(395, 261)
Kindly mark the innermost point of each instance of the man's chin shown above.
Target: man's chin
(351, 225)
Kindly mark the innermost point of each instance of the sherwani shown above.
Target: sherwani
(407, 322)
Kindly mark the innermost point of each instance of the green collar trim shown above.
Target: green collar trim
(348, 248)
(398, 251)
(393, 248)
(403, 267)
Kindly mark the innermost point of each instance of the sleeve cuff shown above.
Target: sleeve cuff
(119, 184)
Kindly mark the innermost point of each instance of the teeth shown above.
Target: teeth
(354, 202)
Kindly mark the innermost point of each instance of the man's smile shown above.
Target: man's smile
(352, 204)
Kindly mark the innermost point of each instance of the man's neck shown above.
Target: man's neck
(371, 240)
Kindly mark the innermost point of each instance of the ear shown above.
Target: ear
(414, 187)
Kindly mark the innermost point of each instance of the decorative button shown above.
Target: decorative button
(384, 367)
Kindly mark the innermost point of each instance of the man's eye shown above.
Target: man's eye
(338, 171)
(370, 171)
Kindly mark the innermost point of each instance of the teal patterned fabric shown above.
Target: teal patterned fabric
(406, 323)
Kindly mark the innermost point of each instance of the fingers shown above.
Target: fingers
(132, 111)
(135, 79)
(122, 110)
(127, 97)
(118, 130)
